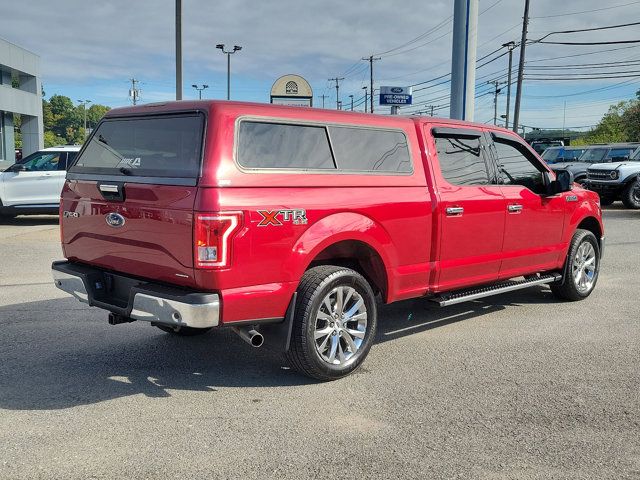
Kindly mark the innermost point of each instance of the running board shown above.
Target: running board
(467, 295)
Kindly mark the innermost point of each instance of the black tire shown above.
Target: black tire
(604, 202)
(183, 331)
(631, 195)
(4, 217)
(570, 289)
(304, 353)
(582, 181)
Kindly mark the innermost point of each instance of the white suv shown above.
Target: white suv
(33, 184)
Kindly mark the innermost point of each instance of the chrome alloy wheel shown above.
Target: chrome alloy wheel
(340, 326)
(584, 267)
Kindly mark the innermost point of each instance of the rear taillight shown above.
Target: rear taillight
(213, 233)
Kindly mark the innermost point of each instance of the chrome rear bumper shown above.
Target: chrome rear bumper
(137, 299)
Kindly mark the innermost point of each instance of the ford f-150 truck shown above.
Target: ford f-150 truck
(291, 225)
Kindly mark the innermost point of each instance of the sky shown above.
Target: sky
(91, 50)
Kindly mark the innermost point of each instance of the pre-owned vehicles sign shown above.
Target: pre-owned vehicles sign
(395, 96)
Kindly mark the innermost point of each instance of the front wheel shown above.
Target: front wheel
(581, 267)
(606, 201)
(334, 324)
(631, 195)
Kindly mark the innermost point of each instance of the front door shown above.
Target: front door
(471, 208)
(535, 220)
(38, 184)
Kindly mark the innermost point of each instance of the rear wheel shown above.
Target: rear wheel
(334, 324)
(183, 331)
(581, 267)
(631, 195)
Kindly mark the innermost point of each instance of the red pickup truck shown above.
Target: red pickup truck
(291, 224)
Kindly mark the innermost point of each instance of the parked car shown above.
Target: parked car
(290, 224)
(562, 154)
(33, 184)
(617, 181)
(541, 145)
(595, 154)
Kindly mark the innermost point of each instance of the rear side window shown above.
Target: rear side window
(461, 160)
(277, 145)
(161, 146)
(370, 150)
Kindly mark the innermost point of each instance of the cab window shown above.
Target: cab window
(516, 168)
(461, 160)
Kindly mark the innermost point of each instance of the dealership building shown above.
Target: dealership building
(20, 93)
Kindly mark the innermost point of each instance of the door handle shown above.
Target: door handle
(454, 211)
(514, 208)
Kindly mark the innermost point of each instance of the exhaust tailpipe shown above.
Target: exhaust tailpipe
(250, 335)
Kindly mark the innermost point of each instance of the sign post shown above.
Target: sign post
(396, 97)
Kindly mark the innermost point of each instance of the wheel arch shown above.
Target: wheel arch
(347, 239)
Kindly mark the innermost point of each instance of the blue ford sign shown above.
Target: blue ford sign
(395, 96)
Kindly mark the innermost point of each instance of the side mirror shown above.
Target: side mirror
(619, 159)
(562, 183)
(17, 167)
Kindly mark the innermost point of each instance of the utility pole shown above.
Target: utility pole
(134, 92)
(496, 91)
(371, 59)
(323, 96)
(178, 49)
(236, 48)
(431, 107)
(351, 97)
(463, 59)
(84, 108)
(523, 43)
(510, 46)
(200, 89)
(337, 80)
(365, 98)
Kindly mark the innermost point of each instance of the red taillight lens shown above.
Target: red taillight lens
(212, 238)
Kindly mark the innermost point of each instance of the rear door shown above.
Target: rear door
(534, 220)
(37, 184)
(128, 200)
(471, 211)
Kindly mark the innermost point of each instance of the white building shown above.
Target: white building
(24, 66)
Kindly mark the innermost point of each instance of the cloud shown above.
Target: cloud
(82, 42)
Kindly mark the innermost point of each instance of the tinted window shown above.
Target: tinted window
(151, 146)
(551, 155)
(370, 150)
(43, 162)
(516, 169)
(572, 154)
(276, 145)
(620, 152)
(461, 161)
(593, 155)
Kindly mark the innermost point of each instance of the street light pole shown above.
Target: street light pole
(84, 108)
(351, 97)
(365, 98)
(236, 48)
(200, 89)
(510, 45)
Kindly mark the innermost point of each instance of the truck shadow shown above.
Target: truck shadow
(59, 354)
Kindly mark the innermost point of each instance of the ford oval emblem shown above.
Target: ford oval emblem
(114, 220)
(397, 89)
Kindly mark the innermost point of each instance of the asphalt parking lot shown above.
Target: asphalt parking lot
(514, 386)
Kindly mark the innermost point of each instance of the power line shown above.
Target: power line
(593, 29)
(589, 11)
(581, 54)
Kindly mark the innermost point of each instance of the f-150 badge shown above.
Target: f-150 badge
(276, 217)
